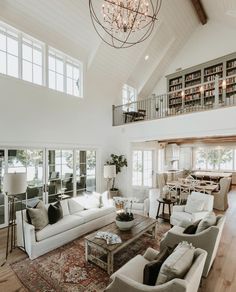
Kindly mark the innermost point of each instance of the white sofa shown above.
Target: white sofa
(129, 278)
(71, 226)
(208, 240)
(182, 218)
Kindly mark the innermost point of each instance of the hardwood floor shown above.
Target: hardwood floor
(222, 277)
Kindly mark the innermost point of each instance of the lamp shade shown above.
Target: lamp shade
(109, 171)
(15, 183)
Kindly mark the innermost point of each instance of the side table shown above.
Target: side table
(163, 202)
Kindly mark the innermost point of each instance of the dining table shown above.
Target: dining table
(195, 185)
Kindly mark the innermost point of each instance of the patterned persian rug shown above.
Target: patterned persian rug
(65, 269)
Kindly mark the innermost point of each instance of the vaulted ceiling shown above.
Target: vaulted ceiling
(66, 24)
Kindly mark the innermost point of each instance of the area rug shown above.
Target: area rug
(65, 269)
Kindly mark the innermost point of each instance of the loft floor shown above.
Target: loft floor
(222, 277)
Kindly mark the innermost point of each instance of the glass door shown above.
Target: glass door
(60, 174)
(31, 162)
(3, 199)
(85, 171)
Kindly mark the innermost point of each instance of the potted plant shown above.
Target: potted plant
(125, 219)
(119, 161)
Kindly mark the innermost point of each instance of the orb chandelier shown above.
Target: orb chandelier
(124, 23)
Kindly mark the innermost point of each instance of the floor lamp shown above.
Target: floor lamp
(109, 174)
(13, 185)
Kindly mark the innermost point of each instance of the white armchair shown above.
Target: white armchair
(208, 240)
(129, 278)
(182, 218)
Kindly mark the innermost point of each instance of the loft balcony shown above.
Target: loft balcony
(211, 95)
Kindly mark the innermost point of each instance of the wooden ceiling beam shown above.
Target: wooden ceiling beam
(201, 13)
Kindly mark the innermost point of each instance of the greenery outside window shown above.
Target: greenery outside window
(219, 158)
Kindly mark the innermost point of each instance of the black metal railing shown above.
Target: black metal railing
(206, 96)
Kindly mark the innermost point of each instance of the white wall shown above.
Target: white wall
(208, 42)
(33, 115)
(209, 123)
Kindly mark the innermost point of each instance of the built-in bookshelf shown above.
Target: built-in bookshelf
(175, 89)
(197, 86)
(231, 81)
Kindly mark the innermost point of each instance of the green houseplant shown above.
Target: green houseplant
(119, 161)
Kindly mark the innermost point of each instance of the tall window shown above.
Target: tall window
(32, 61)
(129, 96)
(210, 158)
(9, 54)
(23, 57)
(142, 174)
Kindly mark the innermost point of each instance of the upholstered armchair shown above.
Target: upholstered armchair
(221, 197)
(129, 278)
(207, 239)
(182, 218)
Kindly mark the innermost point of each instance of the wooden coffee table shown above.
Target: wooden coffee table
(98, 252)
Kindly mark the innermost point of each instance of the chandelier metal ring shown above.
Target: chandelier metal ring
(125, 23)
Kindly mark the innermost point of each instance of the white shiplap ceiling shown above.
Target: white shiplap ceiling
(66, 25)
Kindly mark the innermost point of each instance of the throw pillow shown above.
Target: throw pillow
(152, 269)
(55, 213)
(191, 229)
(75, 206)
(177, 264)
(65, 209)
(38, 216)
(194, 204)
(27, 214)
(207, 221)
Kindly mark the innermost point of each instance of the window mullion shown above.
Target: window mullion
(64, 77)
(45, 62)
(20, 56)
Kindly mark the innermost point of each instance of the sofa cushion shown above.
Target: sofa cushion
(74, 205)
(194, 204)
(88, 201)
(38, 216)
(177, 264)
(152, 268)
(55, 213)
(65, 209)
(66, 223)
(129, 270)
(207, 221)
(95, 213)
(177, 218)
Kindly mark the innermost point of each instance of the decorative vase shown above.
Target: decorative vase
(124, 225)
(113, 194)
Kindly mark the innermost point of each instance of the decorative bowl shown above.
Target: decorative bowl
(124, 225)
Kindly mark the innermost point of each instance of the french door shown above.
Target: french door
(51, 174)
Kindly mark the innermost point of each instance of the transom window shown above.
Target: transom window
(23, 57)
(9, 52)
(32, 61)
(142, 173)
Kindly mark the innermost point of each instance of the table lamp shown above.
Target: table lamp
(13, 185)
